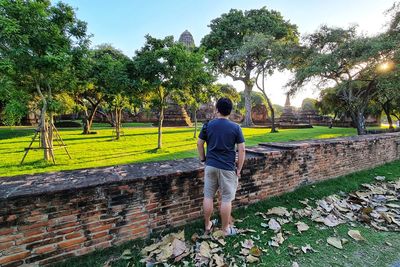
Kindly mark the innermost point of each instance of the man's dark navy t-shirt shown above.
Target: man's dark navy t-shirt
(221, 136)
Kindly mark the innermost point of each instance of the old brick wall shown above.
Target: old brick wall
(50, 217)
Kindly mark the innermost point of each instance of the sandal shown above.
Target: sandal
(231, 231)
(213, 223)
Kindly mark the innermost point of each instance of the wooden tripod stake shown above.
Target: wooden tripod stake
(59, 140)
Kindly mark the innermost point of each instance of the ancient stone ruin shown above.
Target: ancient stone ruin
(186, 38)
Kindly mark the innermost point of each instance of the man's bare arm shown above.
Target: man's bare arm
(241, 156)
(200, 149)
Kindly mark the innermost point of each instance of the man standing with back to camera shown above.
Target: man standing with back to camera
(221, 171)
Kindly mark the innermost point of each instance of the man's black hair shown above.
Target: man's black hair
(224, 106)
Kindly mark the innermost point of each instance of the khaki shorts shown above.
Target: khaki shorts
(224, 180)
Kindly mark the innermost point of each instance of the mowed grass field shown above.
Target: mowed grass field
(137, 145)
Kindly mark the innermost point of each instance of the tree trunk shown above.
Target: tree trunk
(117, 125)
(247, 122)
(88, 120)
(85, 121)
(386, 109)
(43, 126)
(50, 134)
(160, 122)
(360, 123)
(195, 122)
(273, 127)
(44, 133)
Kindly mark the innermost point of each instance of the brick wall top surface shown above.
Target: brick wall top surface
(47, 183)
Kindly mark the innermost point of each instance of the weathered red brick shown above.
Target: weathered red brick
(45, 249)
(71, 242)
(6, 231)
(12, 258)
(4, 246)
(73, 235)
(7, 238)
(32, 226)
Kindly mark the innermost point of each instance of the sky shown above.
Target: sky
(124, 23)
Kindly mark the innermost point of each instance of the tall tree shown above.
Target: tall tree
(196, 80)
(228, 36)
(38, 40)
(160, 67)
(110, 78)
(341, 58)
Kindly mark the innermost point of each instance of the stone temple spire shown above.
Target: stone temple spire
(287, 114)
(287, 103)
(186, 38)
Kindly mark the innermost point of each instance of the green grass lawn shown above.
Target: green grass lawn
(137, 145)
(375, 251)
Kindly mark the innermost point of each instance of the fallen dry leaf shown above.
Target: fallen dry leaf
(255, 251)
(356, 235)
(205, 250)
(274, 225)
(332, 221)
(219, 261)
(166, 253)
(279, 211)
(248, 243)
(218, 234)
(307, 248)
(252, 259)
(245, 251)
(178, 247)
(302, 227)
(334, 241)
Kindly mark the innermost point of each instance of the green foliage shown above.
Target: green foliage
(278, 110)
(309, 104)
(350, 61)
(225, 90)
(257, 98)
(40, 57)
(240, 41)
(330, 103)
(15, 103)
(228, 35)
(196, 79)
(13, 112)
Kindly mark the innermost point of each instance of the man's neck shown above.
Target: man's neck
(219, 116)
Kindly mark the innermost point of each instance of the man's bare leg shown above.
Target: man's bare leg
(208, 206)
(219, 207)
(225, 212)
